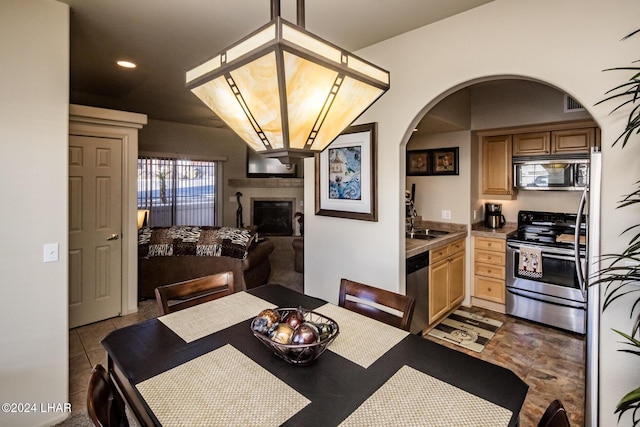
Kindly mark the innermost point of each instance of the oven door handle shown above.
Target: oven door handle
(515, 292)
(567, 257)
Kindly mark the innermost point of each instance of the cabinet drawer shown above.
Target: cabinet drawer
(489, 244)
(488, 270)
(489, 289)
(489, 257)
(456, 247)
(436, 255)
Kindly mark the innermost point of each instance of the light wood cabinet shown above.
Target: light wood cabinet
(497, 176)
(446, 279)
(532, 144)
(566, 141)
(489, 269)
(572, 141)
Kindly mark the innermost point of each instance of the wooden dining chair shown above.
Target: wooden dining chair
(555, 416)
(104, 404)
(367, 300)
(181, 295)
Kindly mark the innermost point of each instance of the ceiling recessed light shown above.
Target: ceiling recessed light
(126, 64)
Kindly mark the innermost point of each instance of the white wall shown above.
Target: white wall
(34, 58)
(434, 193)
(526, 38)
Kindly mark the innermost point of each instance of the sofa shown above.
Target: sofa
(174, 254)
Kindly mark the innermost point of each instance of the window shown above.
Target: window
(178, 191)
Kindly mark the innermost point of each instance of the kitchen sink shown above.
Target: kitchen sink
(421, 236)
(426, 234)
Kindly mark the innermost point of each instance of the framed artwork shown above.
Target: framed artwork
(418, 162)
(444, 161)
(345, 175)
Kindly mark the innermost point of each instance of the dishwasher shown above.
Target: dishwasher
(418, 288)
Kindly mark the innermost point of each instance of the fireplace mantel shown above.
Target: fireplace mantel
(266, 182)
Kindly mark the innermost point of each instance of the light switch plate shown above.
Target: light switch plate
(446, 214)
(50, 252)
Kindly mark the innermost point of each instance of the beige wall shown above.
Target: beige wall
(527, 38)
(34, 58)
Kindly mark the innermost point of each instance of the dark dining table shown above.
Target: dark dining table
(150, 357)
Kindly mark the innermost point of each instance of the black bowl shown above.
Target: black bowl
(300, 354)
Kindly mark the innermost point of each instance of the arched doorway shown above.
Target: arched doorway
(494, 104)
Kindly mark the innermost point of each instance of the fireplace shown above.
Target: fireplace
(273, 217)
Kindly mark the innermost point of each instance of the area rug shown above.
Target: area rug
(466, 329)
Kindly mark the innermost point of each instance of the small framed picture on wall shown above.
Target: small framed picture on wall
(444, 161)
(418, 162)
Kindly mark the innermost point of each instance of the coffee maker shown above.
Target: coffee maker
(493, 217)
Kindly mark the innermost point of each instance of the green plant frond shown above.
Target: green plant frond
(634, 247)
(636, 324)
(631, 34)
(632, 341)
(634, 352)
(616, 294)
(629, 400)
(622, 90)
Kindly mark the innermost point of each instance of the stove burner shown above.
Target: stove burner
(544, 228)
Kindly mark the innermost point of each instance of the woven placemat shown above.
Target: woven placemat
(413, 398)
(362, 340)
(221, 388)
(213, 316)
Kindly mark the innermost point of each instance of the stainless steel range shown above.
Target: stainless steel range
(543, 283)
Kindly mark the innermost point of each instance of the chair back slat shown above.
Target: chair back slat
(371, 302)
(178, 296)
(105, 406)
(555, 416)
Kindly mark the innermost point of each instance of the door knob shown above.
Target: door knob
(113, 237)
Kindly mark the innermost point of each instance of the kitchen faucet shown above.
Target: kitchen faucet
(412, 215)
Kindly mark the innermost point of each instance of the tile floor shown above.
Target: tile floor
(550, 361)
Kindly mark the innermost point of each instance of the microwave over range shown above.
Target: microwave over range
(551, 173)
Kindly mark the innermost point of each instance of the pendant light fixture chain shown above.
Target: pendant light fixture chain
(276, 11)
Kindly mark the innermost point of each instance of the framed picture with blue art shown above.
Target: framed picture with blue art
(346, 185)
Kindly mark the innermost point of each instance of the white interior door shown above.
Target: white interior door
(95, 224)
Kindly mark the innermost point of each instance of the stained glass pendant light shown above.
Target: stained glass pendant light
(286, 92)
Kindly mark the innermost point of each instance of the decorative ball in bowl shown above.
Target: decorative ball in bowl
(297, 335)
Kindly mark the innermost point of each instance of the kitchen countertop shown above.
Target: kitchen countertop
(418, 246)
(479, 230)
(415, 247)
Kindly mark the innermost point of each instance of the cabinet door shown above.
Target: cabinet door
(572, 141)
(438, 290)
(496, 165)
(531, 144)
(456, 279)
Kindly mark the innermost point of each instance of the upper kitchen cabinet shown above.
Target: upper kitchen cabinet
(499, 146)
(572, 141)
(497, 177)
(578, 140)
(532, 144)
